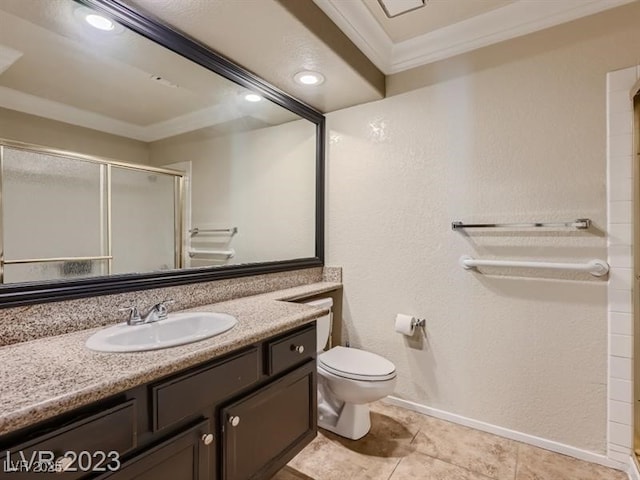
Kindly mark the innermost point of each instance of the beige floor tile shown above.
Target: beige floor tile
(538, 464)
(288, 473)
(373, 457)
(408, 419)
(404, 445)
(418, 466)
(480, 452)
(326, 458)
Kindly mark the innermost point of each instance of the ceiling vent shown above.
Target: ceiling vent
(163, 81)
(393, 8)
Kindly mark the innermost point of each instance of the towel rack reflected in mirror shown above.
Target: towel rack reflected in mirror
(225, 231)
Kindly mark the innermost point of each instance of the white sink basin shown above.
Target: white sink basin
(177, 329)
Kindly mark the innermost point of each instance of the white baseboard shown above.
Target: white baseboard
(514, 435)
(634, 473)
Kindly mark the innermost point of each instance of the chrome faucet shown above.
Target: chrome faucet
(158, 312)
(134, 315)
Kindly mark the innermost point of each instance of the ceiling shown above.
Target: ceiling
(434, 15)
(276, 39)
(352, 42)
(54, 65)
(445, 28)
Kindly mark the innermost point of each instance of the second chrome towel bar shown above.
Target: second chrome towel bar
(580, 224)
(597, 268)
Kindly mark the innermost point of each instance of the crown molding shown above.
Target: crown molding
(357, 23)
(516, 19)
(42, 107)
(207, 117)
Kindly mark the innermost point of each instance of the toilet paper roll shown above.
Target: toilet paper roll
(405, 324)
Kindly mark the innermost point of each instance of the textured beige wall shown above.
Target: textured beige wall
(513, 132)
(28, 128)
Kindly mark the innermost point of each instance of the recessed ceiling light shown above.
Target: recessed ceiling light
(252, 97)
(308, 77)
(90, 17)
(100, 22)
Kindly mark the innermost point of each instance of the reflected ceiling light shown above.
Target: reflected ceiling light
(308, 77)
(100, 22)
(252, 97)
(96, 20)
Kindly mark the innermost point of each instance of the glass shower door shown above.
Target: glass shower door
(145, 221)
(53, 217)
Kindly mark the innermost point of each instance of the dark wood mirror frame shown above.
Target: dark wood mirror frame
(58, 290)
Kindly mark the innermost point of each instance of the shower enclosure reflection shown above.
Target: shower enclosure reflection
(67, 216)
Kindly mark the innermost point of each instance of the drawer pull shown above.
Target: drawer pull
(62, 463)
(234, 421)
(207, 439)
(291, 350)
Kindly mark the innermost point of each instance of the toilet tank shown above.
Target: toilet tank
(323, 324)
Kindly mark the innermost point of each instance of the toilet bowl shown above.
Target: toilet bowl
(348, 380)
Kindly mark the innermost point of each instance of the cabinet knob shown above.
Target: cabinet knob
(207, 438)
(298, 348)
(234, 421)
(62, 463)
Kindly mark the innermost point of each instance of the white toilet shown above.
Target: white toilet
(348, 379)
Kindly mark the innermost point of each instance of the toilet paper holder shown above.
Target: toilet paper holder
(406, 324)
(418, 322)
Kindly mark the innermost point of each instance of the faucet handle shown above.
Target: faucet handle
(162, 309)
(134, 314)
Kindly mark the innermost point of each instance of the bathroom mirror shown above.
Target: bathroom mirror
(133, 157)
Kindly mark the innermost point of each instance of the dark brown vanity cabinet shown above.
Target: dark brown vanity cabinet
(242, 416)
(183, 395)
(93, 439)
(270, 424)
(185, 456)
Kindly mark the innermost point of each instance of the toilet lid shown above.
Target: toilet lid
(357, 364)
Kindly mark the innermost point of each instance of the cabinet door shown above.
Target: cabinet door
(263, 431)
(83, 443)
(186, 456)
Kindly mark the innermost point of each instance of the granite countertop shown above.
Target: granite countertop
(53, 375)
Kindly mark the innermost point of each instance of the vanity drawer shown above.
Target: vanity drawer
(86, 440)
(190, 393)
(291, 350)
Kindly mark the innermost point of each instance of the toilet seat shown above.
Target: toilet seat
(356, 364)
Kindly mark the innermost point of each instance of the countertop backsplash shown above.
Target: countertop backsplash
(21, 324)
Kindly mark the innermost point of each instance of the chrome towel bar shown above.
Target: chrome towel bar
(597, 268)
(194, 252)
(580, 224)
(56, 259)
(228, 231)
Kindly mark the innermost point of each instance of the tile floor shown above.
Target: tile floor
(404, 445)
